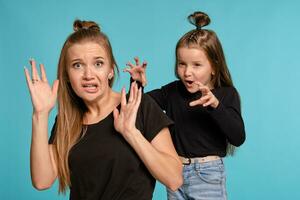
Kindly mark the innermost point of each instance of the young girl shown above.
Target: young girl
(205, 107)
(103, 145)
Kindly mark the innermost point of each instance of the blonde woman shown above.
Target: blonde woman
(104, 144)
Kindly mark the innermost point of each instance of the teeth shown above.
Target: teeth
(89, 86)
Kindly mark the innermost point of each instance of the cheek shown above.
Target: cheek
(179, 72)
(205, 77)
(74, 81)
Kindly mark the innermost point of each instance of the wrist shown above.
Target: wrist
(39, 115)
(131, 134)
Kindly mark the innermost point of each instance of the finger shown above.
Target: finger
(137, 61)
(131, 96)
(144, 80)
(116, 114)
(55, 87)
(199, 84)
(34, 72)
(209, 102)
(204, 90)
(127, 69)
(139, 97)
(43, 73)
(144, 65)
(205, 98)
(123, 97)
(130, 65)
(28, 79)
(135, 93)
(200, 101)
(195, 103)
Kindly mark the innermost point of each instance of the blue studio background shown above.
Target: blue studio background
(261, 43)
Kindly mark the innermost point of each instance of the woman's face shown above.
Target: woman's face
(192, 66)
(89, 70)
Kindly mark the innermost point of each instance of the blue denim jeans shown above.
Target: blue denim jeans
(202, 181)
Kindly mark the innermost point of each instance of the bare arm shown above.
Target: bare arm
(226, 114)
(159, 156)
(43, 97)
(42, 165)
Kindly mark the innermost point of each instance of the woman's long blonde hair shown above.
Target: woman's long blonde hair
(71, 108)
(207, 41)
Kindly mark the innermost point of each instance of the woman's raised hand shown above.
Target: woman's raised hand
(43, 97)
(124, 120)
(137, 71)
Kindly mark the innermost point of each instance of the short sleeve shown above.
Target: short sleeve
(150, 118)
(53, 132)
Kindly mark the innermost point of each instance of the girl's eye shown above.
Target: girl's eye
(99, 63)
(180, 64)
(196, 65)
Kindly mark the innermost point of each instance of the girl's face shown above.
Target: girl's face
(192, 66)
(89, 70)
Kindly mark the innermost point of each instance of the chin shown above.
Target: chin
(192, 90)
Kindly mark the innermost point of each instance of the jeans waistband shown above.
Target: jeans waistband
(187, 161)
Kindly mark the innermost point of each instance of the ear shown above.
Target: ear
(213, 72)
(111, 74)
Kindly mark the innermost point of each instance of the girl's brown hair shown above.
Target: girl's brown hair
(71, 108)
(207, 41)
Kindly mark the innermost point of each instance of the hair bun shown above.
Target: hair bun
(79, 25)
(199, 19)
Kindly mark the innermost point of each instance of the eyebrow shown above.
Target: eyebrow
(98, 58)
(78, 59)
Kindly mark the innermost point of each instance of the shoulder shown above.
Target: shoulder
(147, 100)
(150, 118)
(170, 88)
(227, 93)
(171, 85)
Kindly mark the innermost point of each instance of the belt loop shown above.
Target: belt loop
(190, 161)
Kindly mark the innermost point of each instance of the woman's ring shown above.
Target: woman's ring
(34, 81)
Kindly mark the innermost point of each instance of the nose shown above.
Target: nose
(187, 71)
(87, 74)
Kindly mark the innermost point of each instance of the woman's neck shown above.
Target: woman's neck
(102, 108)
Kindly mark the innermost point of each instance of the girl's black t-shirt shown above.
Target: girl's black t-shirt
(103, 166)
(201, 131)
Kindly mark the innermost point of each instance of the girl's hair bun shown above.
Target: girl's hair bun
(79, 25)
(199, 19)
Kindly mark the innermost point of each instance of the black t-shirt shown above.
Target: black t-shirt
(104, 166)
(201, 131)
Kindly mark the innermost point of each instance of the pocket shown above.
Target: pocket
(211, 172)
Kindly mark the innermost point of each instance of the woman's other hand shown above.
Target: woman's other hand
(43, 96)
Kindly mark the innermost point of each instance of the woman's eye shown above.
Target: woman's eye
(99, 64)
(197, 65)
(77, 65)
